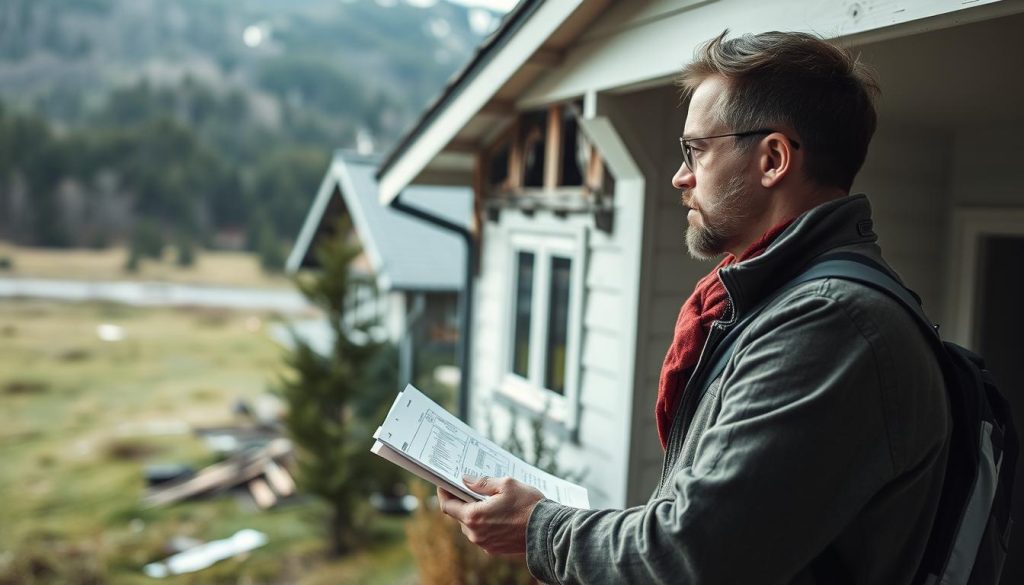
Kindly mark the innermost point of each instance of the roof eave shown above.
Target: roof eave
(511, 50)
(461, 78)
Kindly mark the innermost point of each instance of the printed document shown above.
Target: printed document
(427, 440)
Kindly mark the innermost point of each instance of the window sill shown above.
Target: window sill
(530, 401)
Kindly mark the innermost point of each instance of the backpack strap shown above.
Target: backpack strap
(844, 265)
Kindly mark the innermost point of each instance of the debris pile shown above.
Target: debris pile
(263, 470)
(255, 457)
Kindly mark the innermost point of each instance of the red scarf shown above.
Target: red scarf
(706, 305)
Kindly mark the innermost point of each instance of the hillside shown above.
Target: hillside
(369, 61)
(193, 119)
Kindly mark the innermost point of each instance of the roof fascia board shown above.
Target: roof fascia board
(474, 93)
(366, 237)
(316, 213)
(635, 55)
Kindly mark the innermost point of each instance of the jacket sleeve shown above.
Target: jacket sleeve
(799, 446)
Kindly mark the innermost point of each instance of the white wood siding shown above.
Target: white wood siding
(906, 177)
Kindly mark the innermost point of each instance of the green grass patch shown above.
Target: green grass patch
(77, 432)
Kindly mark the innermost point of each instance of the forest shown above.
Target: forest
(203, 123)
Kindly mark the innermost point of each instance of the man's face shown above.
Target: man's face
(716, 191)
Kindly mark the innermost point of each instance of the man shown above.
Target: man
(817, 456)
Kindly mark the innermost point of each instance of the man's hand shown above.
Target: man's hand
(497, 524)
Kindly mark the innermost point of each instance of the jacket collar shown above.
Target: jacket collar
(835, 224)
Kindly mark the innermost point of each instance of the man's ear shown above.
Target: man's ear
(775, 160)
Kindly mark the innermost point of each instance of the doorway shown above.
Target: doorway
(999, 319)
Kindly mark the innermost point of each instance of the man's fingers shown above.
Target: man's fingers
(486, 486)
(452, 505)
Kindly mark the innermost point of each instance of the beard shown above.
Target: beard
(720, 221)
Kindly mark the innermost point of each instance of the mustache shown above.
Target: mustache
(686, 198)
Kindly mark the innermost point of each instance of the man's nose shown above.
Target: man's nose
(683, 179)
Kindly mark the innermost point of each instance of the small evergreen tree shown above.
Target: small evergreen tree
(333, 405)
(186, 252)
(269, 248)
(132, 264)
(147, 240)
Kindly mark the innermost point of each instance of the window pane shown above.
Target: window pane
(558, 326)
(524, 308)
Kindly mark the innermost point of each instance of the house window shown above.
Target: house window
(524, 306)
(558, 328)
(545, 298)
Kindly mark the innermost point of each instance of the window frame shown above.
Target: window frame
(545, 242)
(970, 226)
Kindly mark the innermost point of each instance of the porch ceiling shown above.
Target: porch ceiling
(957, 78)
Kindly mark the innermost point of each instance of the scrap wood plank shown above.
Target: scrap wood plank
(220, 476)
(262, 493)
(279, 479)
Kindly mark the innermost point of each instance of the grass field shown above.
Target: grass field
(210, 268)
(76, 415)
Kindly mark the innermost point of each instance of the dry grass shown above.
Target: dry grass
(211, 267)
(444, 557)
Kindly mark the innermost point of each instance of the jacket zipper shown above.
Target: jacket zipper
(675, 433)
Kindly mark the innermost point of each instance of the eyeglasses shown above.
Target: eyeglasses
(684, 143)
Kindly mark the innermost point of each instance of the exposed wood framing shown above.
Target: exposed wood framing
(593, 173)
(595, 170)
(553, 149)
(516, 160)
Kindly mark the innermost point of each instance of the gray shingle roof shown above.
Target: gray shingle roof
(406, 253)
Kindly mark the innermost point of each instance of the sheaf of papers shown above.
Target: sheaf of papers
(427, 440)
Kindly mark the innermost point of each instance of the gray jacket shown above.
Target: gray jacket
(816, 457)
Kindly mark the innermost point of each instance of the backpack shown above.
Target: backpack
(971, 533)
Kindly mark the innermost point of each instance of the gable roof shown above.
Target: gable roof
(405, 253)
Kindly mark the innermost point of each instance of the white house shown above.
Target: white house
(411, 271)
(565, 124)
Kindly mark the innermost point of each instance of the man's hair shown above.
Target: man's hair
(794, 82)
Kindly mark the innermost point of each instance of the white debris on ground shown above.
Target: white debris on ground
(109, 332)
(205, 555)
